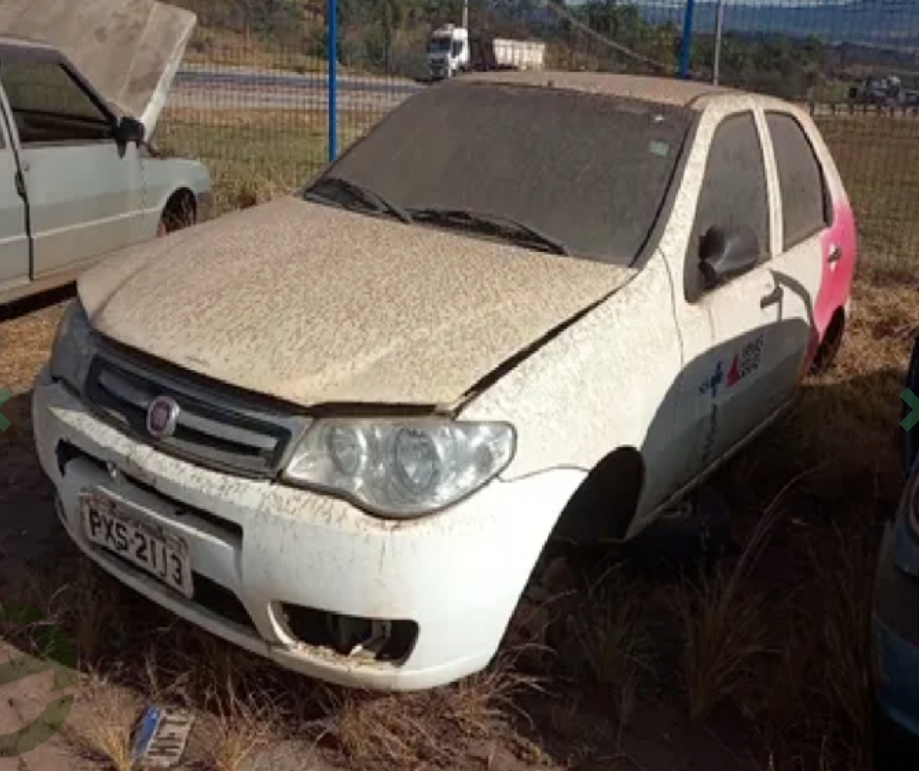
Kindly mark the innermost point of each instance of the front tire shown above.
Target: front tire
(178, 214)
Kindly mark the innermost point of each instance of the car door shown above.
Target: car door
(730, 383)
(816, 234)
(14, 236)
(85, 190)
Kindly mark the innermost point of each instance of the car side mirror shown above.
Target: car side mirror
(727, 252)
(129, 130)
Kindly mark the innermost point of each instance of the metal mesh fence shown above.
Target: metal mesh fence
(252, 99)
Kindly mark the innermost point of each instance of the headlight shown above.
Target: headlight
(73, 347)
(401, 468)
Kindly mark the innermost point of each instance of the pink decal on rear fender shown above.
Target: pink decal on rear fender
(836, 277)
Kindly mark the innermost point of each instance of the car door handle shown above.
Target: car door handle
(835, 254)
(774, 297)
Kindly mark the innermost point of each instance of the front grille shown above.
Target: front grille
(212, 428)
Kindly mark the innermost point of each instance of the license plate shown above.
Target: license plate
(119, 528)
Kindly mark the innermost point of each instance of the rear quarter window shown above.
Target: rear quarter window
(805, 202)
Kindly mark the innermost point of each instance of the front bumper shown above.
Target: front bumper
(895, 639)
(262, 546)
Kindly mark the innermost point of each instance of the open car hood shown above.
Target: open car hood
(129, 50)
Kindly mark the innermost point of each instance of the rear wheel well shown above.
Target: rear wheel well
(829, 346)
(603, 507)
(180, 211)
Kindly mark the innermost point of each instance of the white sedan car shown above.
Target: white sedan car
(340, 429)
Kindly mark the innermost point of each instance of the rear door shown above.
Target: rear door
(817, 228)
(85, 192)
(14, 237)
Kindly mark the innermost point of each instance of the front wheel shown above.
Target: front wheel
(178, 214)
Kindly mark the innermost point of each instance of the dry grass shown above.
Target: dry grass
(613, 646)
(106, 734)
(255, 155)
(429, 727)
(215, 47)
(241, 725)
(879, 160)
(845, 583)
(75, 596)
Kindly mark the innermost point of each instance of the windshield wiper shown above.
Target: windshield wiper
(494, 224)
(322, 189)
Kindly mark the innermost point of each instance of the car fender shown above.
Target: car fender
(165, 176)
(526, 512)
(610, 380)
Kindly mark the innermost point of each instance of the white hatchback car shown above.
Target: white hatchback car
(340, 429)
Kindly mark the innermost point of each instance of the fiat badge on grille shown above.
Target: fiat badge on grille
(162, 415)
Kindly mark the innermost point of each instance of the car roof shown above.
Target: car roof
(681, 93)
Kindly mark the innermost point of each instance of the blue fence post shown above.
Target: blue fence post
(332, 49)
(686, 45)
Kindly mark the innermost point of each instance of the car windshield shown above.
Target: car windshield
(588, 171)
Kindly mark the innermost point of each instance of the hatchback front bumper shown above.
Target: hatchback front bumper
(259, 548)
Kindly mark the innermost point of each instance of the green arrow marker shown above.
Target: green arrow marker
(4, 420)
(911, 400)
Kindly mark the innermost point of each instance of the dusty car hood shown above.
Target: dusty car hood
(316, 305)
(129, 50)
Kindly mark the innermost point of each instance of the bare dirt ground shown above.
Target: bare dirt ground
(760, 663)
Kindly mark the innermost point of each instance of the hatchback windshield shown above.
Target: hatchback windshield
(588, 171)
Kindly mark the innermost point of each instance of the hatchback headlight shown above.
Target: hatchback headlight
(74, 346)
(401, 468)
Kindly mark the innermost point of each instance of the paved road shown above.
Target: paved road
(242, 77)
(248, 88)
(238, 88)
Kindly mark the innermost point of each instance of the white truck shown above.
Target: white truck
(452, 50)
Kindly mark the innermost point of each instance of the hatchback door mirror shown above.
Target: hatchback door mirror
(727, 252)
(129, 130)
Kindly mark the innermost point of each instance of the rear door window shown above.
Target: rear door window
(805, 203)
